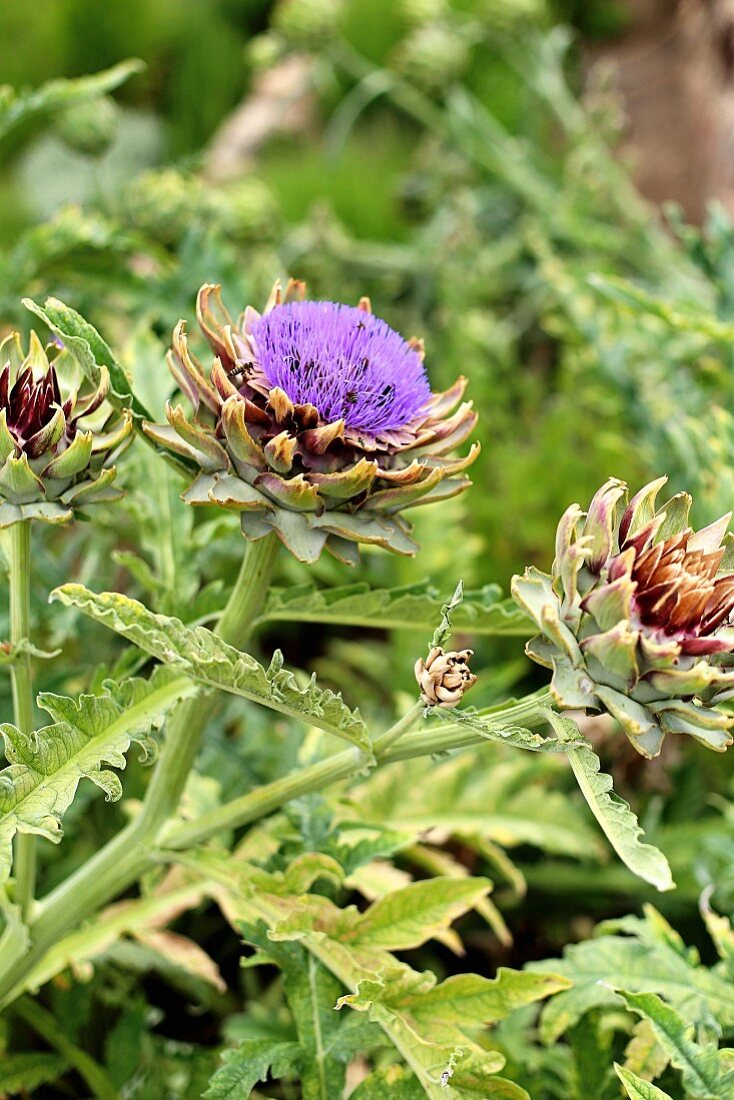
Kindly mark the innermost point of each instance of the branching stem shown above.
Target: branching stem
(22, 685)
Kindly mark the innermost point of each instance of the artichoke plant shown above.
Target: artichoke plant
(316, 420)
(58, 435)
(634, 618)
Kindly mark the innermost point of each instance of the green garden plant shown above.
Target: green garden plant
(318, 869)
(305, 414)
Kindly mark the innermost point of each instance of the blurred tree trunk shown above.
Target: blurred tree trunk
(675, 73)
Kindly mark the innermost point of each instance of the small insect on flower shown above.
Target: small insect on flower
(58, 434)
(444, 678)
(635, 617)
(316, 421)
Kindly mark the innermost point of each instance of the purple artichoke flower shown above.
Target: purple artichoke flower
(57, 435)
(635, 617)
(316, 421)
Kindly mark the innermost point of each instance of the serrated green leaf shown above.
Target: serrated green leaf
(721, 932)
(637, 1088)
(17, 107)
(312, 991)
(516, 736)
(613, 814)
(698, 1065)
(440, 1057)
(22, 1073)
(407, 918)
(204, 657)
(483, 795)
(46, 767)
(648, 963)
(394, 1081)
(90, 351)
(249, 1063)
(411, 607)
(464, 998)
(380, 986)
(643, 1054)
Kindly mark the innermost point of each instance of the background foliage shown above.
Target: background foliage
(445, 164)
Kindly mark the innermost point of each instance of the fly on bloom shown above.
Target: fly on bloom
(635, 618)
(316, 420)
(57, 434)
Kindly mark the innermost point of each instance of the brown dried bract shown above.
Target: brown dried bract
(444, 677)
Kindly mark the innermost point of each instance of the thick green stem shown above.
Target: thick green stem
(345, 765)
(184, 735)
(316, 777)
(262, 801)
(121, 861)
(382, 744)
(127, 856)
(22, 682)
(528, 712)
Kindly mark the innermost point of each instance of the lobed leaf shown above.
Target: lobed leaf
(699, 1065)
(478, 796)
(410, 607)
(90, 351)
(251, 1062)
(637, 1088)
(55, 95)
(647, 960)
(46, 767)
(394, 1081)
(200, 654)
(407, 918)
(23, 1073)
(613, 814)
(516, 736)
(349, 945)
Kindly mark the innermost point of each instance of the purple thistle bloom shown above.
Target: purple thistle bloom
(348, 363)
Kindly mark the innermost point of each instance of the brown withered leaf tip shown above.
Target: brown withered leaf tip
(444, 677)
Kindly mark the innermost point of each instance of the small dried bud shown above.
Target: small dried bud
(444, 677)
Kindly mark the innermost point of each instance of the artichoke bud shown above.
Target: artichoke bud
(444, 678)
(307, 23)
(634, 618)
(316, 421)
(89, 127)
(58, 435)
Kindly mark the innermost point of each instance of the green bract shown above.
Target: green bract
(634, 616)
(58, 435)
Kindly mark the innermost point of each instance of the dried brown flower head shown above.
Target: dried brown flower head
(444, 677)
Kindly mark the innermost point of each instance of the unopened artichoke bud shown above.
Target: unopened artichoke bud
(315, 420)
(418, 12)
(164, 203)
(433, 55)
(250, 210)
(264, 51)
(444, 678)
(307, 22)
(58, 435)
(89, 127)
(635, 617)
